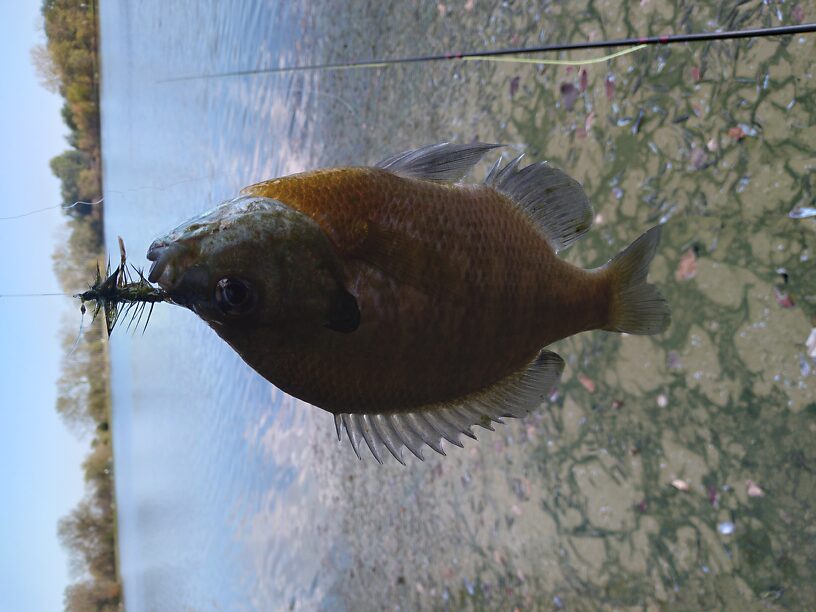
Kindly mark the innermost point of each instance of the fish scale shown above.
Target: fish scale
(408, 304)
(472, 313)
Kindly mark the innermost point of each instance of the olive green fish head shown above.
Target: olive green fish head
(255, 270)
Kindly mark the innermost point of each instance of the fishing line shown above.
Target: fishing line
(319, 94)
(79, 334)
(17, 295)
(39, 210)
(110, 191)
(488, 55)
(533, 60)
(81, 320)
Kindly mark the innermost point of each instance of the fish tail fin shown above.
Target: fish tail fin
(636, 306)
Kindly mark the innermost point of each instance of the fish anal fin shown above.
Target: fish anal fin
(515, 396)
(385, 433)
(373, 441)
(554, 201)
(353, 432)
(443, 162)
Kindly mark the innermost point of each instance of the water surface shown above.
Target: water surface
(232, 495)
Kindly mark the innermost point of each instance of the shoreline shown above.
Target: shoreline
(89, 533)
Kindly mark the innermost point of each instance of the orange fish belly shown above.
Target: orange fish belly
(457, 289)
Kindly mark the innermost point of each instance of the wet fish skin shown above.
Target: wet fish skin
(469, 298)
(395, 291)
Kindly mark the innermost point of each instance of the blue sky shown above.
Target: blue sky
(40, 476)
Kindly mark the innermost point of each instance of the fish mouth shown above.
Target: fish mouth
(175, 270)
(162, 254)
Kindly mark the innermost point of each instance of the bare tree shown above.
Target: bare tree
(46, 69)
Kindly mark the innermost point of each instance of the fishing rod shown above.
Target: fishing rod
(488, 55)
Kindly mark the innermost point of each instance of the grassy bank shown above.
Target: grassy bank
(68, 64)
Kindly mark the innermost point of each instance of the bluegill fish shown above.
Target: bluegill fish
(408, 304)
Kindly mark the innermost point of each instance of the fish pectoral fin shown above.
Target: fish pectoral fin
(344, 313)
(443, 162)
(554, 201)
(407, 260)
(515, 396)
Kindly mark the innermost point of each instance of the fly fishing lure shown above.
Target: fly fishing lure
(122, 292)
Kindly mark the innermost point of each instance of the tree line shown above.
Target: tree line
(67, 64)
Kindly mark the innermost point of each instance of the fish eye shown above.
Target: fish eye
(234, 296)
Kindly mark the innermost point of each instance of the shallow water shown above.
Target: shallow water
(234, 496)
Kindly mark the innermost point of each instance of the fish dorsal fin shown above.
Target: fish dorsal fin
(514, 396)
(443, 162)
(554, 201)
